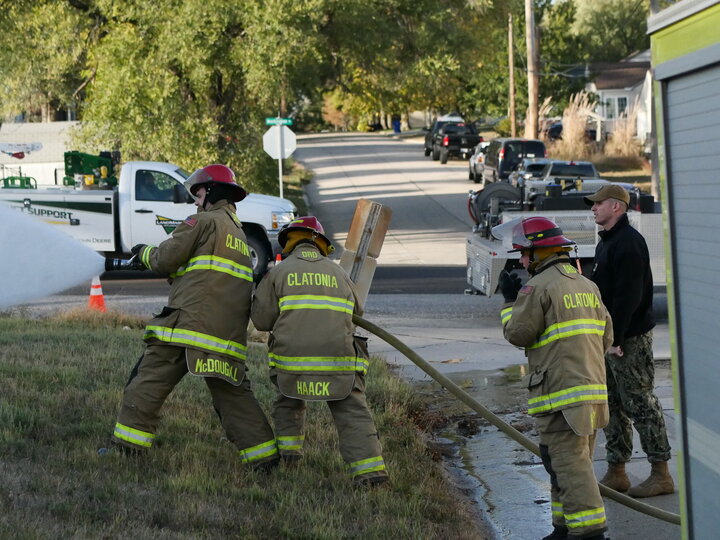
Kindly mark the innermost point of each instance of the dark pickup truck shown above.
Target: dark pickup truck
(455, 139)
(440, 122)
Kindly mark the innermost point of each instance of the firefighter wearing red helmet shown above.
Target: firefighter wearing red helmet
(307, 303)
(203, 329)
(561, 322)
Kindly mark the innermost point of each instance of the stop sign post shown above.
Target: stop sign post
(279, 142)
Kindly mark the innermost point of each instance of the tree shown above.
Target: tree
(612, 29)
(562, 54)
(43, 42)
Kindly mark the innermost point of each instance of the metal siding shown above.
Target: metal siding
(693, 136)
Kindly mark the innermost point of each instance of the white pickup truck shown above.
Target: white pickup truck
(145, 207)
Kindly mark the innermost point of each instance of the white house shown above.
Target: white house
(620, 85)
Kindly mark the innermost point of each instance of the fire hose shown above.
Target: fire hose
(507, 429)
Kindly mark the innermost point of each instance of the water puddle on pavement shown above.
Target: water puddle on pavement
(492, 470)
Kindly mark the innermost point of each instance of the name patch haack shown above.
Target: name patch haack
(313, 388)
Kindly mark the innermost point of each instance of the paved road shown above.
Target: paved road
(428, 200)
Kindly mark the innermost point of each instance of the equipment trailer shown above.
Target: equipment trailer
(561, 202)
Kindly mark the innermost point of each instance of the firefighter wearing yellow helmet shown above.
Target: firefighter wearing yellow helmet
(561, 322)
(307, 303)
(203, 329)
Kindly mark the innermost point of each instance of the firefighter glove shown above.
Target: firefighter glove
(509, 285)
(137, 248)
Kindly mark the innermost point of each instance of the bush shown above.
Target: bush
(573, 144)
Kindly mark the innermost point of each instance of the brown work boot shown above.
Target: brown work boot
(615, 477)
(658, 483)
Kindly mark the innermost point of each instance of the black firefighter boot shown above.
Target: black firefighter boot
(558, 533)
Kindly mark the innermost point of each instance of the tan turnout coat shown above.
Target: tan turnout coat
(560, 320)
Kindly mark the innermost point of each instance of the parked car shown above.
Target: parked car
(439, 122)
(476, 162)
(455, 139)
(527, 169)
(554, 132)
(505, 154)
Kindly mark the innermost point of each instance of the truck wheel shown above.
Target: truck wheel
(471, 174)
(427, 151)
(444, 156)
(477, 179)
(435, 153)
(259, 254)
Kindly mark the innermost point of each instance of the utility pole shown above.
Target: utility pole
(511, 79)
(531, 121)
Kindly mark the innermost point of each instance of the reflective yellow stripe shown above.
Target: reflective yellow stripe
(312, 301)
(318, 363)
(366, 466)
(197, 339)
(145, 256)
(568, 329)
(133, 436)
(575, 394)
(218, 264)
(258, 452)
(291, 442)
(557, 509)
(586, 518)
(505, 315)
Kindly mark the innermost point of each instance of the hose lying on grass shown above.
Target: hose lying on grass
(510, 431)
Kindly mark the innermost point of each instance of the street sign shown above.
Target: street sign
(279, 142)
(278, 121)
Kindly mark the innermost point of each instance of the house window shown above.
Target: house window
(610, 105)
(621, 105)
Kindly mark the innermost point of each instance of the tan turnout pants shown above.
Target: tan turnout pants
(359, 444)
(575, 495)
(157, 372)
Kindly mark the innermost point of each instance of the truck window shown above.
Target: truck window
(153, 186)
(533, 149)
(574, 169)
(535, 169)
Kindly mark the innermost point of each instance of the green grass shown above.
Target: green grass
(62, 382)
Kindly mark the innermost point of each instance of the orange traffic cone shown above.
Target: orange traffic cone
(278, 258)
(96, 300)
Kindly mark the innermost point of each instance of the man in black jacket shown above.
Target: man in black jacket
(622, 273)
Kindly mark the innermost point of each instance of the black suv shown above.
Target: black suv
(504, 154)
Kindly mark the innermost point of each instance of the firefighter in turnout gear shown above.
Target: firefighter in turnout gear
(307, 303)
(203, 329)
(561, 322)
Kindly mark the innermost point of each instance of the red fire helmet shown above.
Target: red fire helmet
(219, 174)
(530, 233)
(304, 223)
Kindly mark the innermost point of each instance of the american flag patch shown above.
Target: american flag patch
(191, 221)
(527, 289)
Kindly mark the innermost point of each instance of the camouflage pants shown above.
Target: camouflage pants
(632, 401)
